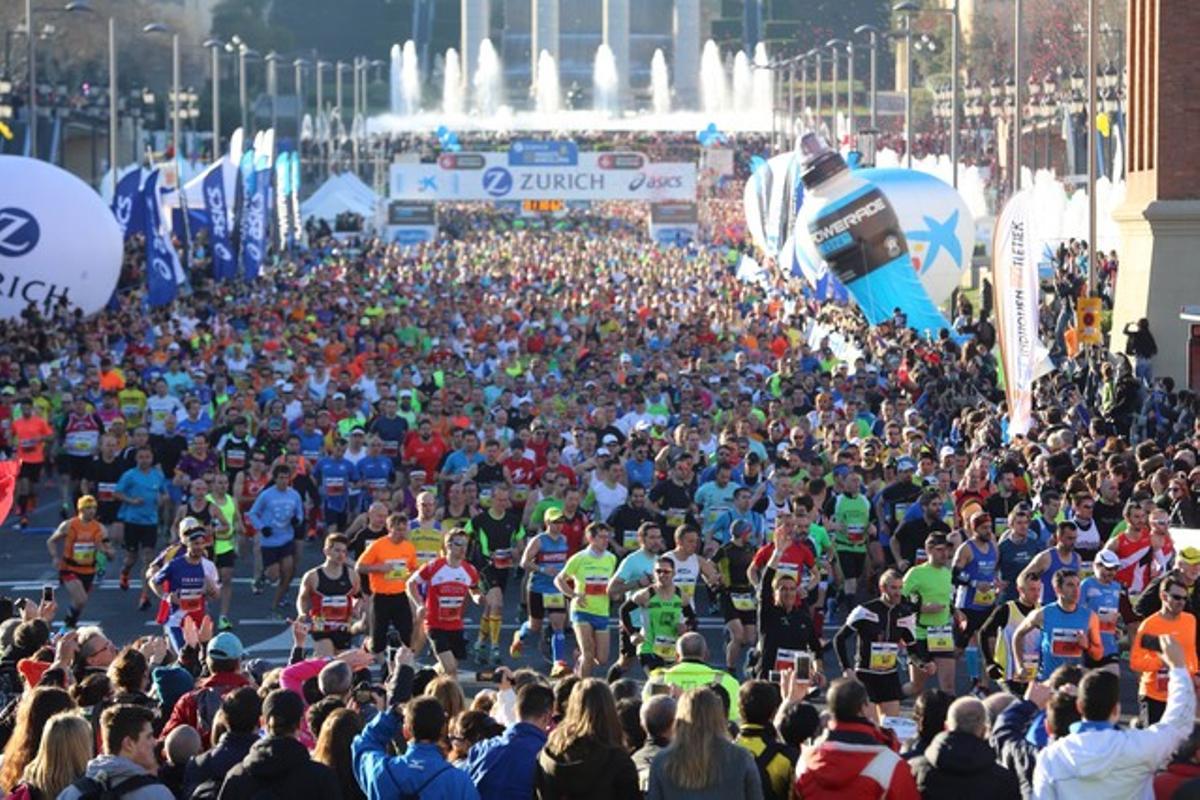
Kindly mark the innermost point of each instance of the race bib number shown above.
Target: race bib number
(786, 659)
(742, 601)
(629, 540)
(1064, 643)
(397, 570)
(555, 600)
(920, 557)
(502, 559)
(84, 553)
(335, 487)
(1161, 680)
(595, 586)
(235, 459)
(883, 656)
(391, 449)
(81, 444)
(1029, 669)
(1108, 620)
(450, 609)
(191, 600)
(664, 647)
(985, 593)
(688, 591)
(104, 492)
(520, 494)
(855, 534)
(335, 608)
(675, 517)
(940, 638)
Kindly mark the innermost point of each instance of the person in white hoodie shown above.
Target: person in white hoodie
(1100, 761)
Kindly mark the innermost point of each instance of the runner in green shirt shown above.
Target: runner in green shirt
(584, 581)
(929, 588)
(663, 617)
(852, 527)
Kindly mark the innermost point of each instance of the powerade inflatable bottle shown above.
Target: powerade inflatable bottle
(855, 230)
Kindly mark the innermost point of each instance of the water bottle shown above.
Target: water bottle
(854, 229)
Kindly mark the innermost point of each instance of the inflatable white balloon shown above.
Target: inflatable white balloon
(57, 239)
(936, 222)
(768, 201)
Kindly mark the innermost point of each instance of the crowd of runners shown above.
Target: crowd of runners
(637, 447)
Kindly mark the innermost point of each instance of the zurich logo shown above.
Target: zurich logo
(497, 181)
(19, 232)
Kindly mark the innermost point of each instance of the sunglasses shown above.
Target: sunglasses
(1179, 598)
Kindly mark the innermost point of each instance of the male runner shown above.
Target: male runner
(544, 558)
(584, 581)
(447, 582)
(83, 537)
(327, 593)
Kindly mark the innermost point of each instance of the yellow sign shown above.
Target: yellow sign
(542, 206)
(1087, 320)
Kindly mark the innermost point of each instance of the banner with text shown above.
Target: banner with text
(1015, 282)
(494, 177)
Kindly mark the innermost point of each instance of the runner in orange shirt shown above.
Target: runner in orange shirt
(83, 538)
(1145, 654)
(32, 432)
(388, 562)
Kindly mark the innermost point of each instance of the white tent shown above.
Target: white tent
(344, 192)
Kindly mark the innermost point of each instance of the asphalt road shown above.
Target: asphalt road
(25, 568)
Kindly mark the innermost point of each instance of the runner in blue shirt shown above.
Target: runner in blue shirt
(139, 491)
(377, 472)
(636, 571)
(312, 441)
(1102, 594)
(334, 475)
(277, 513)
(185, 581)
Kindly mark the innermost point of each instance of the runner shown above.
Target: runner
(1017, 547)
(388, 562)
(277, 514)
(377, 471)
(636, 571)
(499, 539)
(80, 441)
(928, 587)
(1015, 668)
(185, 582)
(327, 598)
(664, 618)
(447, 582)
(1068, 628)
(852, 525)
(543, 559)
(226, 535)
(1061, 556)
(883, 627)
(738, 604)
(786, 637)
(246, 488)
(140, 491)
(100, 481)
(1146, 649)
(690, 566)
(335, 476)
(84, 538)
(977, 585)
(584, 581)
(1103, 595)
(31, 433)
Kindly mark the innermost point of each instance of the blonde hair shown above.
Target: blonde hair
(62, 756)
(447, 692)
(693, 759)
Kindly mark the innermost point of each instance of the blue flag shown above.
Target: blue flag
(126, 203)
(255, 209)
(161, 258)
(224, 262)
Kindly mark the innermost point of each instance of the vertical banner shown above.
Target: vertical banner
(283, 188)
(162, 262)
(297, 223)
(1015, 283)
(127, 203)
(254, 223)
(217, 206)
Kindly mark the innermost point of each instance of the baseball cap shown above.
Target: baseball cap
(85, 501)
(226, 646)
(1189, 556)
(1107, 558)
(979, 517)
(190, 526)
(906, 463)
(553, 514)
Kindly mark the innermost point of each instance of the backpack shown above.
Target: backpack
(764, 759)
(92, 789)
(415, 795)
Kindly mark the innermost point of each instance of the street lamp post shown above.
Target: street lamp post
(1093, 64)
(31, 54)
(803, 82)
(850, 87)
(834, 45)
(816, 56)
(337, 85)
(215, 46)
(873, 33)
(272, 60)
(176, 91)
(907, 9)
(299, 65)
(1018, 25)
(84, 7)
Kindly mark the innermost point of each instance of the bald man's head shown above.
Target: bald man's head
(969, 715)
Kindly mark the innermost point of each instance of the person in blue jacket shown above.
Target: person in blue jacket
(503, 767)
(422, 771)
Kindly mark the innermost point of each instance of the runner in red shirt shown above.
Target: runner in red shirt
(440, 590)
(425, 448)
(797, 558)
(32, 433)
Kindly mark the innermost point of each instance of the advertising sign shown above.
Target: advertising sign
(533, 153)
(411, 221)
(674, 223)
(596, 176)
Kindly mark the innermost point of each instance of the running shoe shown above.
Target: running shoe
(258, 585)
(143, 602)
(225, 624)
(23, 523)
(124, 581)
(72, 619)
(559, 670)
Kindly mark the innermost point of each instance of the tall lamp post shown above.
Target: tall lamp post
(815, 54)
(176, 91)
(272, 60)
(31, 55)
(215, 46)
(1092, 67)
(834, 45)
(907, 8)
(84, 7)
(873, 42)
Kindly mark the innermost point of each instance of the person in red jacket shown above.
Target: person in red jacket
(1183, 769)
(198, 707)
(856, 760)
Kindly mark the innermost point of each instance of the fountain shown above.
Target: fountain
(410, 80)
(547, 94)
(761, 79)
(660, 83)
(605, 84)
(488, 81)
(743, 84)
(395, 78)
(714, 87)
(452, 89)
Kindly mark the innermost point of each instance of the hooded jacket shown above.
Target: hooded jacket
(281, 765)
(1099, 761)
(586, 769)
(118, 769)
(856, 761)
(1013, 749)
(959, 764)
(502, 768)
(422, 770)
(203, 775)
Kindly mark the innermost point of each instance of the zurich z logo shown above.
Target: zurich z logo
(497, 181)
(19, 232)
